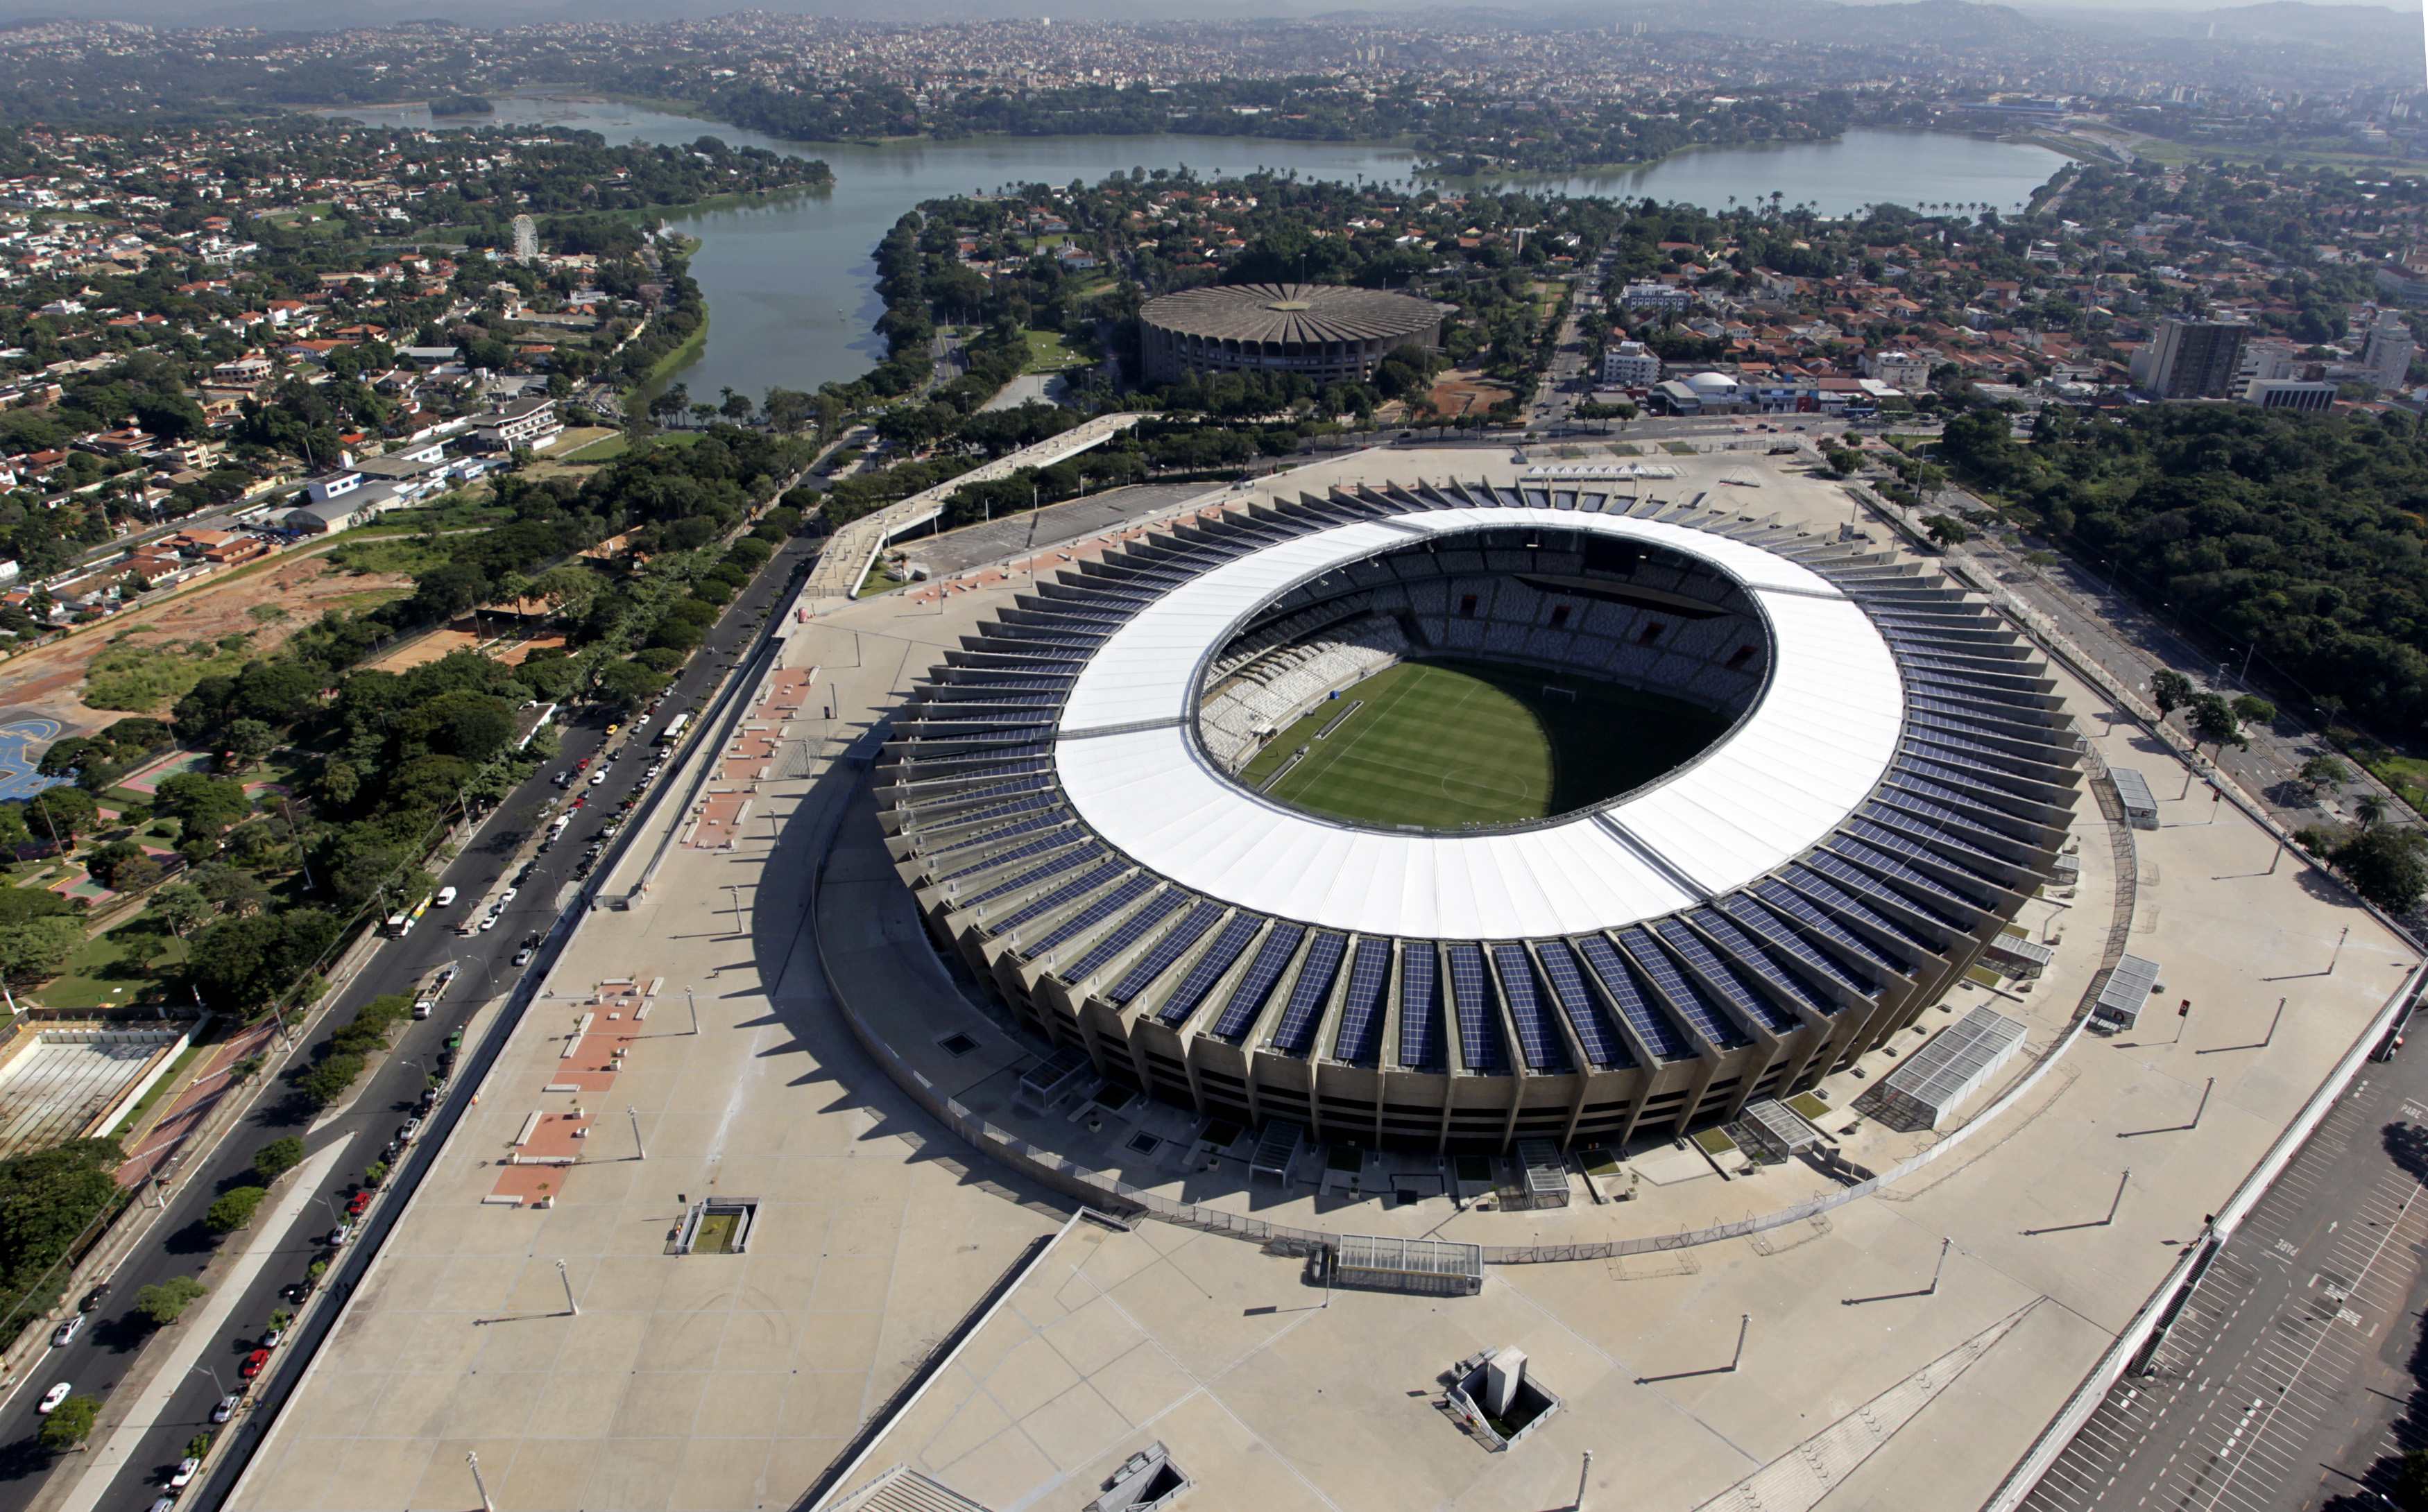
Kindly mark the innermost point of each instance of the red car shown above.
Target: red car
(254, 1364)
(359, 1205)
(581, 803)
(581, 766)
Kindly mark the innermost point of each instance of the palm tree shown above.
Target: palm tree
(2370, 808)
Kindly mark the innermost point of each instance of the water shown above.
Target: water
(790, 287)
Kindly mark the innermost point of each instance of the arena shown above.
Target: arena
(1805, 788)
(1323, 332)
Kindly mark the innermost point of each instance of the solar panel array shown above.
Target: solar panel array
(1248, 998)
(1209, 968)
(1653, 1027)
(1123, 935)
(1605, 1050)
(1076, 888)
(1744, 955)
(1421, 1043)
(1296, 1030)
(1011, 831)
(1480, 1042)
(1362, 1009)
(1021, 852)
(1722, 978)
(1843, 885)
(1096, 912)
(1686, 994)
(1166, 950)
(1880, 861)
(1034, 875)
(1538, 1039)
(1782, 937)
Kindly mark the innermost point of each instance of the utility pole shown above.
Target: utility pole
(1745, 1320)
(474, 1459)
(2340, 938)
(1583, 1474)
(204, 1370)
(693, 999)
(1932, 1290)
(572, 1309)
(637, 1134)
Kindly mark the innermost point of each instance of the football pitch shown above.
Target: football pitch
(1444, 743)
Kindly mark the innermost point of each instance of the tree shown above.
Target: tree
(48, 1198)
(330, 1079)
(166, 1302)
(2323, 772)
(2384, 866)
(71, 1423)
(181, 906)
(64, 811)
(374, 1174)
(2213, 723)
(248, 740)
(2253, 709)
(204, 805)
(2170, 690)
(1947, 530)
(2411, 1482)
(277, 1158)
(234, 1209)
(34, 950)
(2370, 808)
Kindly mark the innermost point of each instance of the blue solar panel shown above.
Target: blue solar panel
(1783, 938)
(1209, 968)
(1905, 787)
(1899, 809)
(1069, 892)
(1360, 1041)
(1033, 876)
(1000, 810)
(1605, 1049)
(1166, 950)
(1683, 993)
(1480, 1043)
(1046, 821)
(1893, 843)
(1034, 848)
(1881, 862)
(1804, 911)
(1123, 935)
(1095, 913)
(1662, 1037)
(1722, 978)
(1744, 955)
(978, 795)
(1422, 1046)
(1857, 887)
(1248, 998)
(1539, 1038)
(1296, 1029)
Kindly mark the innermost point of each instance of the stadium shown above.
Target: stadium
(1323, 332)
(1454, 817)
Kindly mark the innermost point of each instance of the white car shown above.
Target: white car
(227, 1406)
(65, 1333)
(185, 1474)
(598, 777)
(338, 1236)
(489, 920)
(446, 898)
(52, 1398)
(503, 899)
(273, 1338)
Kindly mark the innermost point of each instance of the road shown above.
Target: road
(101, 1359)
(1566, 382)
(2284, 1375)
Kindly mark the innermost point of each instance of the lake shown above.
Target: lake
(790, 287)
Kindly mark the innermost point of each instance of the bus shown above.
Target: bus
(674, 730)
(400, 925)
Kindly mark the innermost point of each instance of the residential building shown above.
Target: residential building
(1907, 372)
(2386, 357)
(2192, 359)
(1665, 298)
(525, 423)
(1630, 365)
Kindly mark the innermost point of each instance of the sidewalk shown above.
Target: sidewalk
(191, 1103)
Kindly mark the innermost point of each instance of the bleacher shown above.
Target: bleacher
(1284, 682)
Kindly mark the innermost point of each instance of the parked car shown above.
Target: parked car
(358, 1204)
(408, 1132)
(581, 766)
(581, 803)
(227, 1406)
(254, 1364)
(52, 1398)
(65, 1333)
(489, 920)
(183, 1475)
(563, 779)
(598, 777)
(529, 948)
(343, 1232)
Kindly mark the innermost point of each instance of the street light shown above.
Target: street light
(217, 1385)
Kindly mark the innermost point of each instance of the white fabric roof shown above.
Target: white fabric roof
(1813, 748)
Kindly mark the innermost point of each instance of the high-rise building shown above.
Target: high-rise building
(2192, 359)
(2387, 353)
(1631, 365)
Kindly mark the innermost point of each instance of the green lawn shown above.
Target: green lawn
(606, 449)
(104, 973)
(1052, 351)
(879, 580)
(1446, 744)
(145, 675)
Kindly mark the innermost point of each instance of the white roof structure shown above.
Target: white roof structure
(1812, 748)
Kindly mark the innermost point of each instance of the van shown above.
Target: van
(446, 898)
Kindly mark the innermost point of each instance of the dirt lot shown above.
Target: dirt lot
(511, 650)
(1453, 389)
(48, 681)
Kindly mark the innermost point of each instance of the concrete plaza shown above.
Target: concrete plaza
(740, 1380)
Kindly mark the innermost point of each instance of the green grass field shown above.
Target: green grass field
(1447, 744)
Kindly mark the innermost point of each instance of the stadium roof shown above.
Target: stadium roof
(1297, 313)
(1807, 755)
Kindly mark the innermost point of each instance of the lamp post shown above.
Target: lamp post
(573, 1307)
(217, 1385)
(643, 1149)
(472, 1459)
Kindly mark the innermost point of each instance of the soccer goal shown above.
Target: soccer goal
(1565, 695)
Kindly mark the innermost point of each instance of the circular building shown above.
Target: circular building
(1322, 330)
(1454, 817)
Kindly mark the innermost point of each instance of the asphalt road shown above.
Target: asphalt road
(99, 1360)
(2277, 1382)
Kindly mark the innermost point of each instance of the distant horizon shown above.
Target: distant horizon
(294, 15)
